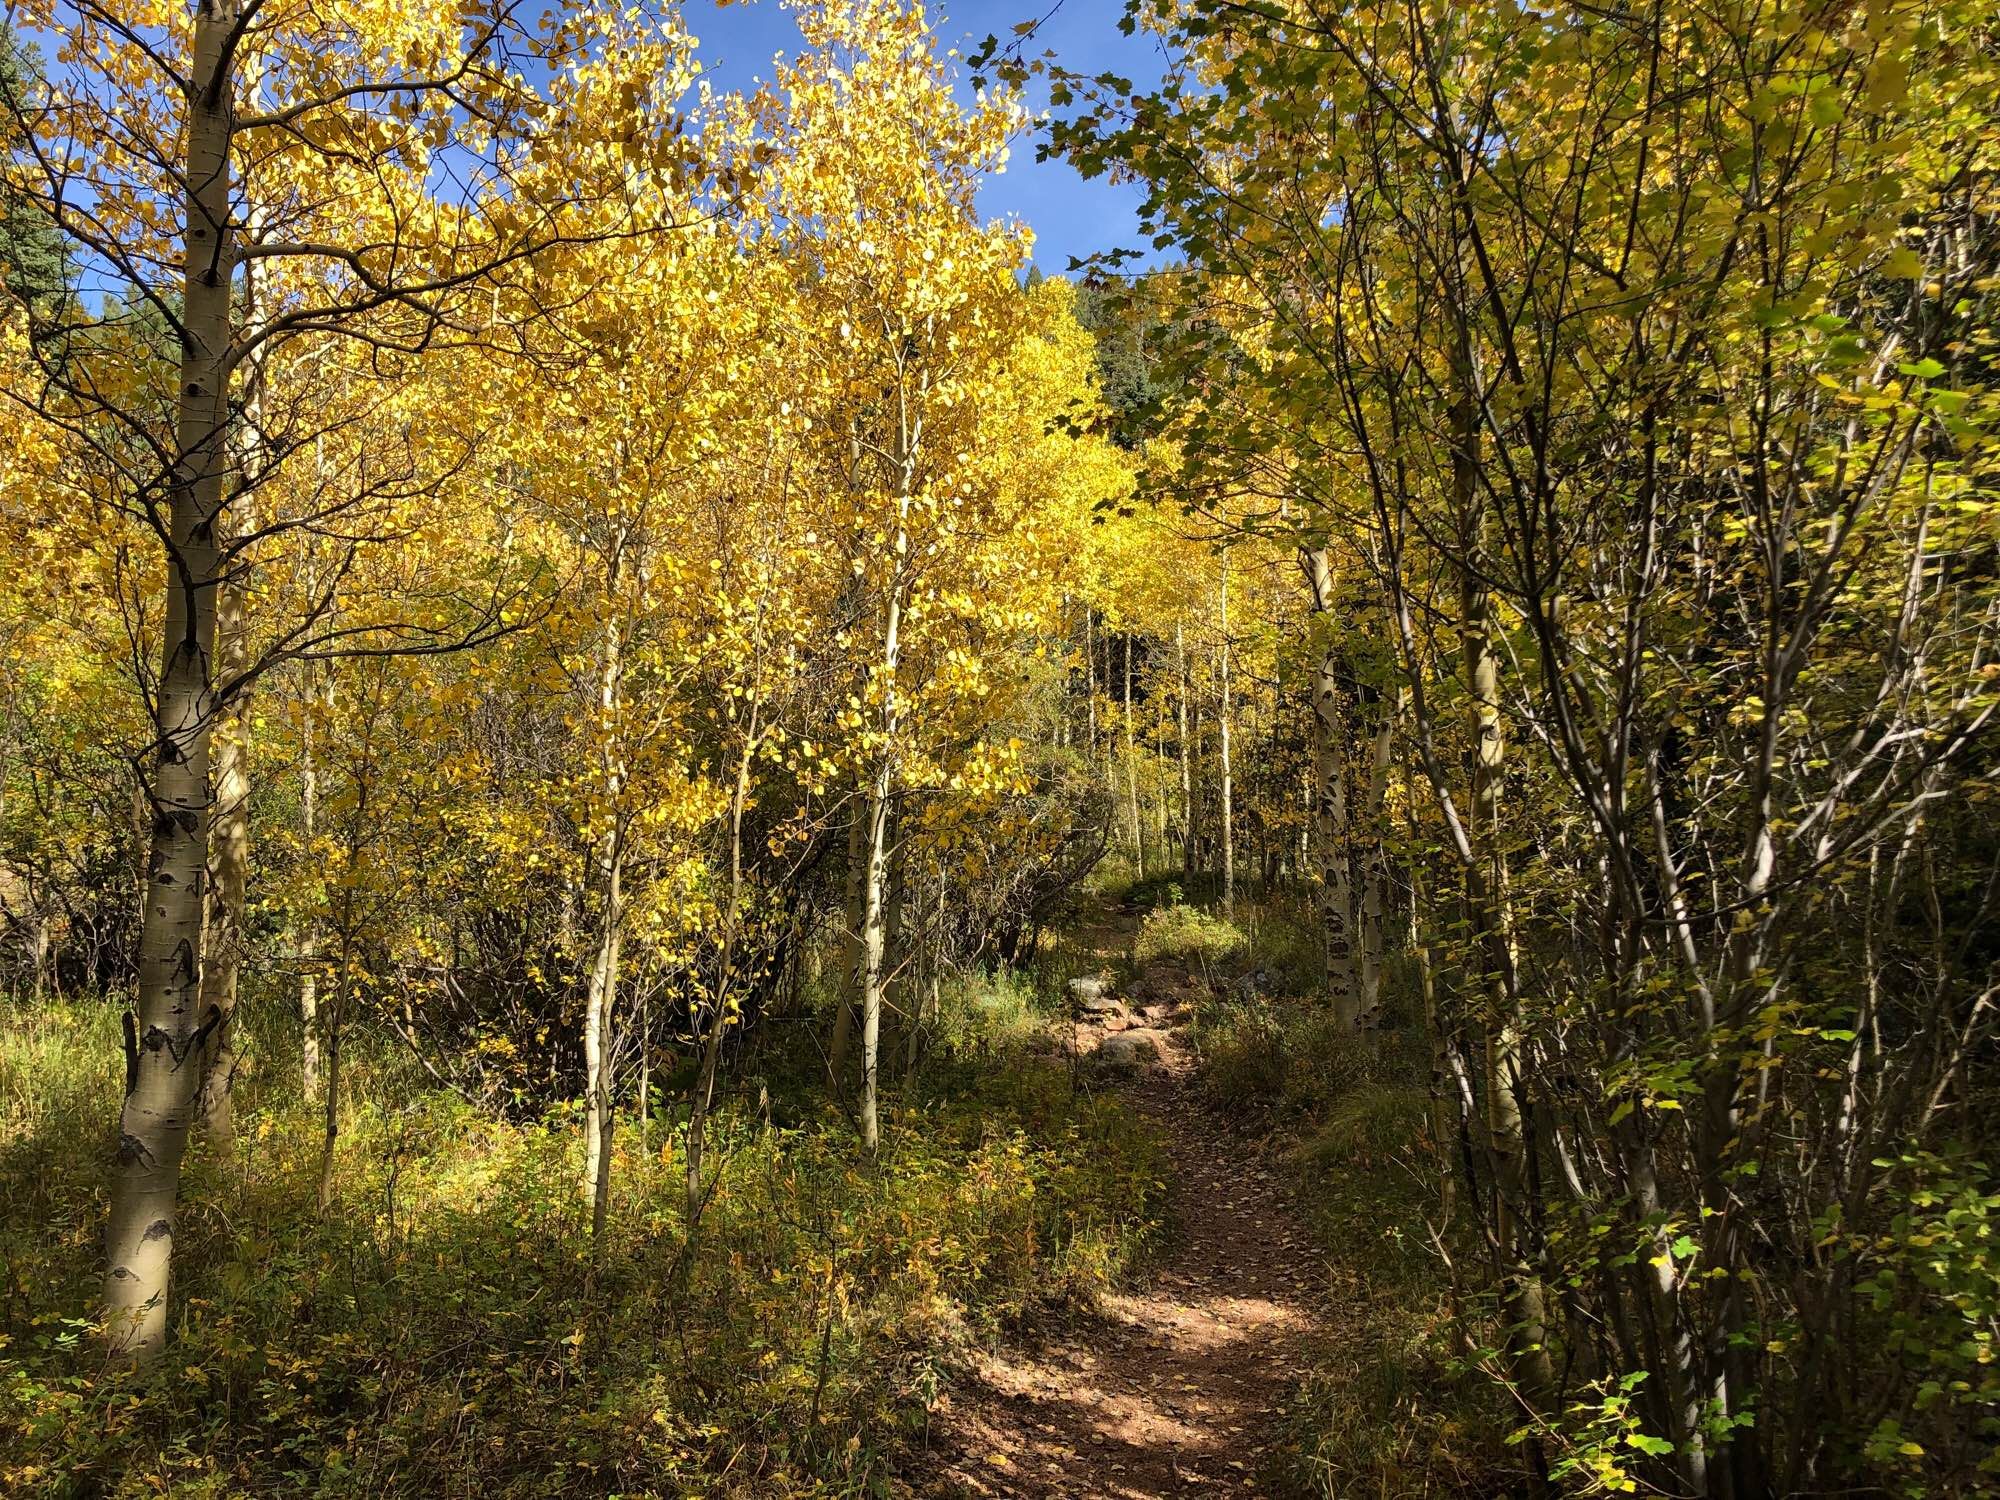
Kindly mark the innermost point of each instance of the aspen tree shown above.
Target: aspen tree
(226, 93)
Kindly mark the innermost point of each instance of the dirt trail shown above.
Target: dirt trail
(1174, 1387)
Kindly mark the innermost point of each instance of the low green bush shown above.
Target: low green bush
(1289, 1058)
(1187, 934)
(985, 1012)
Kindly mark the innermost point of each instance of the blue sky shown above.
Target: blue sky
(1070, 217)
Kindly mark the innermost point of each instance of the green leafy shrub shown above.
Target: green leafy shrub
(1243, 1054)
(1187, 934)
(1282, 1056)
(1289, 946)
(986, 1012)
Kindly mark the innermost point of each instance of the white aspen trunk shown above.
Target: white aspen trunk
(602, 993)
(645, 1086)
(1329, 821)
(1187, 757)
(895, 929)
(599, 1004)
(875, 880)
(41, 954)
(1487, 879)
(1223, 714)
(1371, 871)
(1132, 771)
(335, 1014)
(1503, 1035)
(163, 1039)
(229, 840)
(1302, 856)
(1443, 1087)
(703, 1098)
(926, 1009)
(1061, 715)
(1090, 684)
(309, 1021)
(222, 950)
(874, 944)
(850, 950)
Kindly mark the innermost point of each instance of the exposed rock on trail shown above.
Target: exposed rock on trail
(1126, 1052)
(1172, 1387)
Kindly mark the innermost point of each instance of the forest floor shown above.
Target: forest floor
(1175, 1385)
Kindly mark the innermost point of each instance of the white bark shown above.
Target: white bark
(1223, 714)
(1331, 838)
(164, 1038)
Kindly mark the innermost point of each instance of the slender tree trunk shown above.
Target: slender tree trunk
(601, 996)
(358, 831)
(875, 881)
(874, 944)
(1090, 683)
(41, 954)
(1521, 1288)
(1060, 726)
(1371, 873)
(850, 951)
(645, 1087)
(1330, 829)
(1223, 714)
(1187, 759)
(222, 948)
(599, 1004)
(1132, 770)
(926, 1008)
(1443, 1089)
(313, 938)
(703, 1098)
(335, 1016)
(164, 1038)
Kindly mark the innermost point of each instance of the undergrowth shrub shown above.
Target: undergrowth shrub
(1289, 946)
(982, 1012)
(449, 1329)
(1187, 934)
(1285, 1057)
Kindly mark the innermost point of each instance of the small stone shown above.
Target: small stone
(1086, 988)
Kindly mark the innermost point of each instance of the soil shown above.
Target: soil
(1173, 1386)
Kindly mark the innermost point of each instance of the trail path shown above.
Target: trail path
(1173, 1387)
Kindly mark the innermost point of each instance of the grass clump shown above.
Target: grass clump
(1389, 1409)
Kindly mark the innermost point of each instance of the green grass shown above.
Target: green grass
(449, 1330)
